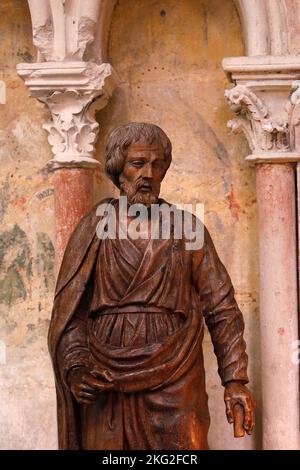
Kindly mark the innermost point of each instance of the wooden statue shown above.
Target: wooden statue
(127, 324)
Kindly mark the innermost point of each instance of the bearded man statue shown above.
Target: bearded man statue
(128, 320)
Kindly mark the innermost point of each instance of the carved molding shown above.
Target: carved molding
(255, 27)
(72, 92)
(99, 47)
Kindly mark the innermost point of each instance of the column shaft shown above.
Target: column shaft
(276, 199)
(73, 198)
(298, 221)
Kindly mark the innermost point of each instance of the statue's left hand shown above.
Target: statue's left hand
(237, 393)
(85, 386)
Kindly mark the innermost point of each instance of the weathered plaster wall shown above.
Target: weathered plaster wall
(27, 413)
(168, 55)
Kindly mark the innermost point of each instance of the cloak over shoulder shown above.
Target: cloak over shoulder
(75, 271)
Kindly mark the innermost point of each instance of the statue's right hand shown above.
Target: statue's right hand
(85, 386)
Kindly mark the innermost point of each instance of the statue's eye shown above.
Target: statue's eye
(137, 163)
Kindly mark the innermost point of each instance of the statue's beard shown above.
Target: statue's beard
(134, 196)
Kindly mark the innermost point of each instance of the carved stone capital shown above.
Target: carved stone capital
(266, 107)
(73, 91)
(264, 132)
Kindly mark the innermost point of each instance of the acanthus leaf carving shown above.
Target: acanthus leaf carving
(293, 105)
(72, 130)
(263, 132)
(65, 105)
(85, 138)
(241, 98)
(55, 139)
(241, 125)
(73, 91)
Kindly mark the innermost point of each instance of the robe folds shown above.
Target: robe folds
(137, 311)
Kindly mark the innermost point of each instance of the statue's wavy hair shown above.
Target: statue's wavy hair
(122, 137)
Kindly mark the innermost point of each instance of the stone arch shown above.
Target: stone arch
(78, 29)
(264, 26)
(253, 17)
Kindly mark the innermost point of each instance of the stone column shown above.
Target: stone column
(73, 91)
(267, 113)
(73, 198)
(298, 212)
(275, 185)
(72, 78)
(295, 100)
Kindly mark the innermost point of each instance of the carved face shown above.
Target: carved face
(143, 172)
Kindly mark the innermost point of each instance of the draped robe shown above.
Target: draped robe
(137, 310)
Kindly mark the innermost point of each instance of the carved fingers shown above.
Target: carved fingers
(238, 394)
(85, 386)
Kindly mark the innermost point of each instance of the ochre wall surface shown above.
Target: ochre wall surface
(27, 403)
(168, 55)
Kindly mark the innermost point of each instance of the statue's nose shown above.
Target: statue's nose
(147, 171)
